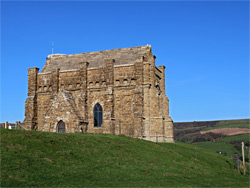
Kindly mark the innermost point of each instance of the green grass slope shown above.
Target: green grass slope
(40, 159)
(227, 149)
(239, 138)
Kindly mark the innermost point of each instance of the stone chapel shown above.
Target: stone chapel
(118, 91)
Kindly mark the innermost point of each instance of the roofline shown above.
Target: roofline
(63, 55)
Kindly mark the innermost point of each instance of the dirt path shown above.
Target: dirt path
(228, 131)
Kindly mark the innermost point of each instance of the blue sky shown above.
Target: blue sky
(203, 44)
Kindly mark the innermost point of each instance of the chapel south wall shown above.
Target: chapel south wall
(132, 97)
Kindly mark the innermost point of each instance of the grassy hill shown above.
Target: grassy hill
(41, 159)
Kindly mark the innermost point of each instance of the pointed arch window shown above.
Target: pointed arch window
(98, 113)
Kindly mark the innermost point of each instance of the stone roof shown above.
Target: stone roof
(122, 56)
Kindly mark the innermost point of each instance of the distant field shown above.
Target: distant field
(235, 121)
(181, 129)
(217, 136)
(240, 138)
(220, 126)
(228, 131)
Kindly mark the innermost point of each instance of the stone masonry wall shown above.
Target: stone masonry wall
(132, 97)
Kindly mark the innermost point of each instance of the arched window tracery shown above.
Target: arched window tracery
(98, 114)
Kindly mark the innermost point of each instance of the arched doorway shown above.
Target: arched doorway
(61, 127)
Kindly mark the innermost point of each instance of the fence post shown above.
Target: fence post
(243, 159)
(6, 125)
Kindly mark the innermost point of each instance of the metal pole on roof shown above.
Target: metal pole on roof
(52, 47)
(52, 51)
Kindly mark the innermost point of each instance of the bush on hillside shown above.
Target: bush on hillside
(180, 133)
(209, 137)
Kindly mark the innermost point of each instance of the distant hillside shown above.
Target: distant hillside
(210, 135)
(42, 159)
(218, 123)
(181, 125)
